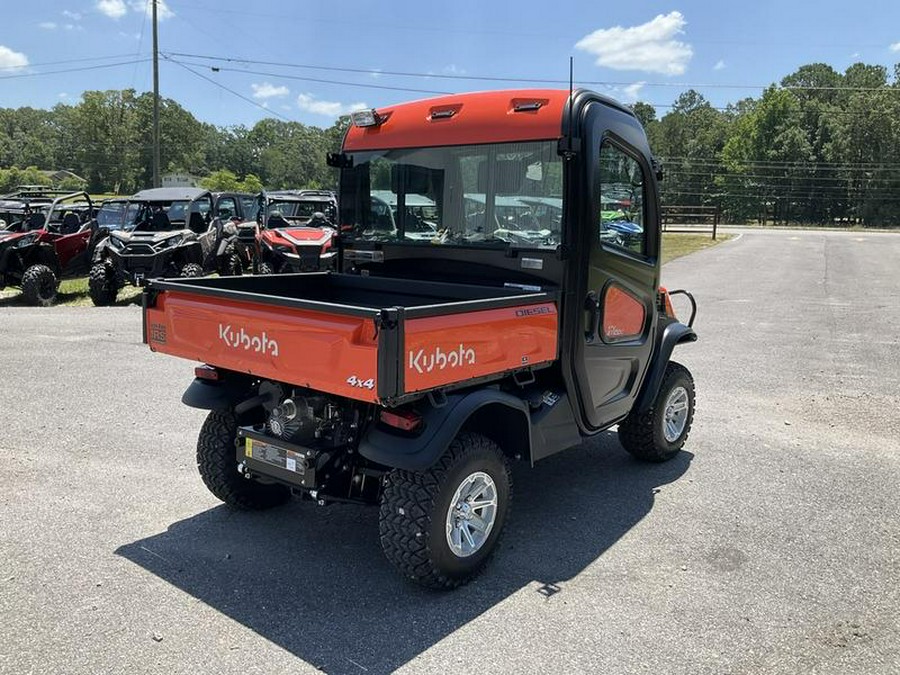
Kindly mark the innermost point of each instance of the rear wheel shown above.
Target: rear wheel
(659, 433)
(440, 527)
(191, 270)
(39, 285)
(217, 463)
(102, 285)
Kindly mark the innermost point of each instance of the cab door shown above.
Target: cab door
(619, 252)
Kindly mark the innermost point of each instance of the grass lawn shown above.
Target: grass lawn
(677, 244)
(74, 292)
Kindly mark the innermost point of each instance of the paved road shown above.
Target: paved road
(772, 545)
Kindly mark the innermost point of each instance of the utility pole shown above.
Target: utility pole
(156, 179)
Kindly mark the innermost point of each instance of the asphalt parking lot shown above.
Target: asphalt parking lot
(770, 545)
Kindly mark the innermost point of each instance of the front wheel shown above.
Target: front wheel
(191, 270)
(102, 285)
(265, 268)
(440, 527)
(217, 463)
(230, 263)
(39, 285)
(658, 434)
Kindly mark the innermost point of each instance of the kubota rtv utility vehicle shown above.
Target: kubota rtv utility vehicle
(49, 243)
(412, 378)
(165, 232)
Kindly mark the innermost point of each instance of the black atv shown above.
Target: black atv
(164, 232)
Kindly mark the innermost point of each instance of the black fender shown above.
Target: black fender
(100, 251)
(207, 395)
(181, 255)
(675, 333)
(510, 427)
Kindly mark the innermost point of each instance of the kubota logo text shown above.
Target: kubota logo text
(440, 360)
(261, 344)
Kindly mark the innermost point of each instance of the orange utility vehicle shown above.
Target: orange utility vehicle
(413, 377)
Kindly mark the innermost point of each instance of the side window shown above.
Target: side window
(621, 201)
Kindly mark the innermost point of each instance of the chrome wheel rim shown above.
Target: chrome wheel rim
(676, 414)
(472, 513)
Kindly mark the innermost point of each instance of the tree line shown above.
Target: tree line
(821, 147)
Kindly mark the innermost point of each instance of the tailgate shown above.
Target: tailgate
(327, 352)
(448, 349)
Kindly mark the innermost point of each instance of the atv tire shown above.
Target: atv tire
(422, 513)
(102, 285)
(265, 268)
(39, 285)
(659, 434)
(230, 263)
(191, 270)
(217, 463)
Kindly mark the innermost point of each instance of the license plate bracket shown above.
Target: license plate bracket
(285, 461)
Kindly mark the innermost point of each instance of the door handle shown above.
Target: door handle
(592, 306)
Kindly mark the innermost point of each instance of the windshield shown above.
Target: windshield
(497, 195)
(114, 215)
(296, 212)
(157, 216)
(250, 206)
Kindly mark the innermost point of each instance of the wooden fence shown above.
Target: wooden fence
(689, 218)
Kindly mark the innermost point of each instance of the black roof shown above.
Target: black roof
(168, 194)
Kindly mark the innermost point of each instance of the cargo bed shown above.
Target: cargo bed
(372, 339)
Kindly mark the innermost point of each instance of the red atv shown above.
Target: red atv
(49, 243)
(295, 232)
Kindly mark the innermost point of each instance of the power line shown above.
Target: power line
(485, 78)
(81, 60)
(223, 87)
(75, 70)
(312, 79)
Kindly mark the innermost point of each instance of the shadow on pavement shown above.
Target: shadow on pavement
(313, 580)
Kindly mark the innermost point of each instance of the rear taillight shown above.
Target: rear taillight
(405, 420)
(207, 373)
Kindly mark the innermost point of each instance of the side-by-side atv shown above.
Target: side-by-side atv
(50, 242)
(415, 376)
(296, 232)
(164, 232)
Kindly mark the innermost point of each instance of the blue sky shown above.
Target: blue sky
(647, 50)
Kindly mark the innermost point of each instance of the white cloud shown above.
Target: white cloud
(75, 16)
(309, 103)
(895, 47)
(114, 9)
(163, 11)
(47, 25)
(632, 92)
(453, 69)
(266, 90)
(375, 74)
(720, 65)
(63, 95)
(10, 60)
(73, 26)
(651, 47)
